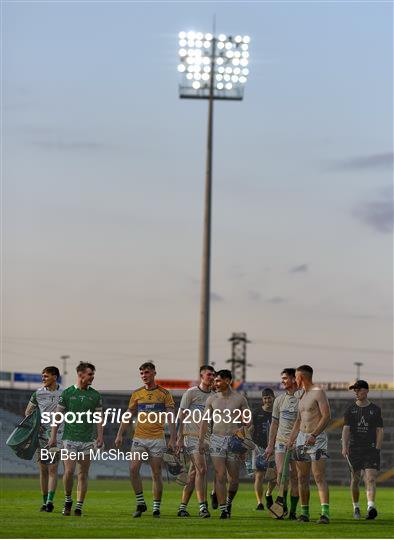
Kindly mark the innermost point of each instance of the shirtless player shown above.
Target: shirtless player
(311, 442)
(229, 411)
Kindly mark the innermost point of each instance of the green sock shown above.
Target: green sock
(44, 498)
(305, 509)
(51, 496)
(325, 510)
(285, 498)
(293, 504)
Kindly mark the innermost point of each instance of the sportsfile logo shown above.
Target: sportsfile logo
(148, 416)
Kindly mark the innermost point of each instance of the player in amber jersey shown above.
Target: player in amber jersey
(149, 434)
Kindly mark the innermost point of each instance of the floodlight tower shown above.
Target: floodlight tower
(358, 369)
(211, 68)
(64, 359)
(238, 357)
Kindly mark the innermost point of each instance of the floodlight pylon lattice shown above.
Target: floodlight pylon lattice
(204, 56)
(212, 68)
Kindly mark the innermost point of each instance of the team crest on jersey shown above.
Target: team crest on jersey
(363, 422)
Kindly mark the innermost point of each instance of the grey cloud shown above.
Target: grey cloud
(372, 161)
(361, 316)
(255, 296)
(276, 300)
(70, 146)
(376, 214)
(298, 269)
(237, 272)
(216, 297)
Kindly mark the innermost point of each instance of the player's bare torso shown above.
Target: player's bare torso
(309, 410)
(226, 412)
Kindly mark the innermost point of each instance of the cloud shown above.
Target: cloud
(216, 297)
(69, 146)
(372, 161)
(299, 269)
(376, 214)
(361, 316)
(255, 296)
(276, 300)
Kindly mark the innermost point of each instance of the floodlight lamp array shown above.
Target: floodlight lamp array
(202, 56)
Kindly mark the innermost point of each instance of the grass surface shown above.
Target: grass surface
(109, 504)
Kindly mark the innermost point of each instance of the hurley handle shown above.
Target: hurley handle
(285, 473)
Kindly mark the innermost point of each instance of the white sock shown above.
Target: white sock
(371, 504)
(356, 505)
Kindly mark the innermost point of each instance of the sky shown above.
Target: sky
(103, 185)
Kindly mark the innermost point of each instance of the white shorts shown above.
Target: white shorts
(191, 445)
(218, 447)
(280, 448)
(311, 452)
(154, 447)
(79, 446)
(43, 443)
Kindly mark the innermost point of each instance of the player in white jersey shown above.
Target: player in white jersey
(192, 407)
(46, 399)
(284, 415)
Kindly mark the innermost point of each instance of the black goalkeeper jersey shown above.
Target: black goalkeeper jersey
(363, 422)
(261, 427)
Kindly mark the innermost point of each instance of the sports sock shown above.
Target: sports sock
(68, 499)
(325, 509)
(223, 507)
(44, 497)
(356, 505)
(51, 496)
(156, 505)
(140, 498)
(371, 504)
(293, 503)
(269, 500)
(230, 496)
(182, 506)
(285, 498)
(203, 505)
(305, 509)
(79, 505)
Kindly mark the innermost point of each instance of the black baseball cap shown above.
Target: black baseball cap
(359, 384)
(267, 392)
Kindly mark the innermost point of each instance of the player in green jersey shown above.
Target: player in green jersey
(79, 437)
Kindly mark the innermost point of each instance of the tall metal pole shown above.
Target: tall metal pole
(206, 256)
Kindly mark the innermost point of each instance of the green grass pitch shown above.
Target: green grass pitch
(109, 504)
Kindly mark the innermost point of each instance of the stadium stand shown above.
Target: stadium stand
(13, 403)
